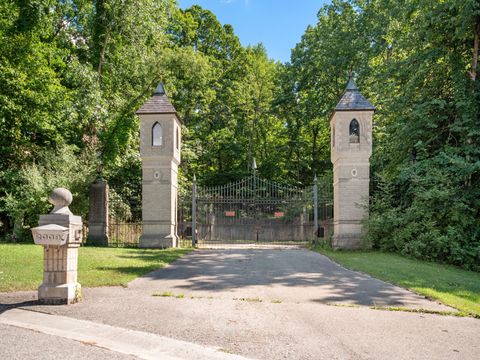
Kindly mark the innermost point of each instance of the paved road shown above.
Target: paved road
(116, 339)
(18, 343)
(275, 305)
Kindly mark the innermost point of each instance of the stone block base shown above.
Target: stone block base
(157, 242)
(97, 235)
(346, 241)
(59, 294)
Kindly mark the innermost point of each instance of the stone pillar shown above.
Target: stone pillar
(98, 214)
(351, 128)
(60, 232)
(160, 144)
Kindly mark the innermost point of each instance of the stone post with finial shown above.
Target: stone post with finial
(60, 233)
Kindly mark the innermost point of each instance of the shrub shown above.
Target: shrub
(28, 187)
(428, 212)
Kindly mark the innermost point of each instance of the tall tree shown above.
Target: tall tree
(314, 81)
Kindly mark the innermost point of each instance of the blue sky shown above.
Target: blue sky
(278, 24)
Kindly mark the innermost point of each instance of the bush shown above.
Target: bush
(429, 213)
(27, 188)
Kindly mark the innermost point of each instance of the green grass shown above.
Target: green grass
(169, 294)
(447, 284)
(21, 265)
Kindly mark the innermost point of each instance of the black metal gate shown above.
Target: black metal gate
(124, 217)
(254, 211)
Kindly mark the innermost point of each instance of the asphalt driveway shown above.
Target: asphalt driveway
(290, 275)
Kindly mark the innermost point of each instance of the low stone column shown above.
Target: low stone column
(98, 214)
(60, 232)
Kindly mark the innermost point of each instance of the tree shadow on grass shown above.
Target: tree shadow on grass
(146, 261)
(166, 256)
(129, 270)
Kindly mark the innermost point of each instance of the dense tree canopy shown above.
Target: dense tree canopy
(72, 74)
(417, 62)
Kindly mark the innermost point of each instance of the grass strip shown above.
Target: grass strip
(447, 284)
(21, 265)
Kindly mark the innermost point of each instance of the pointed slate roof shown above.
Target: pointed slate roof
(352, 99)
(158, 103)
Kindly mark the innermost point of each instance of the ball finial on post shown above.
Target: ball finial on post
(60, 198)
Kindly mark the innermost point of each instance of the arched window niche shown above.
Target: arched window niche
(354, 133)
(157, 135)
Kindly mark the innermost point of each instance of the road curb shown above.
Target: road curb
(137, 343)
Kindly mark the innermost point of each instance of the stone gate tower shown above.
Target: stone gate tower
(351, 147)
(160, 141)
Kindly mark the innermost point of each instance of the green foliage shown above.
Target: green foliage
(223, 93)
(414, 61)
(30, 186)
(73, 73)
(426, 213)
(313, 82)
(426, 138)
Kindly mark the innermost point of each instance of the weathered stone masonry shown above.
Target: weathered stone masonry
(351, 148)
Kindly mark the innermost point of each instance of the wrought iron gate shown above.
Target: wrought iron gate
(125, 220)
(257, 211)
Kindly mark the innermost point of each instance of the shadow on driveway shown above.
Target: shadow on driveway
(288, 275)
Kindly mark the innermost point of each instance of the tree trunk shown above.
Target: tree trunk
(476, 33)
(101, 34)
(315, 131)
(101, 59)
(18, 227)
